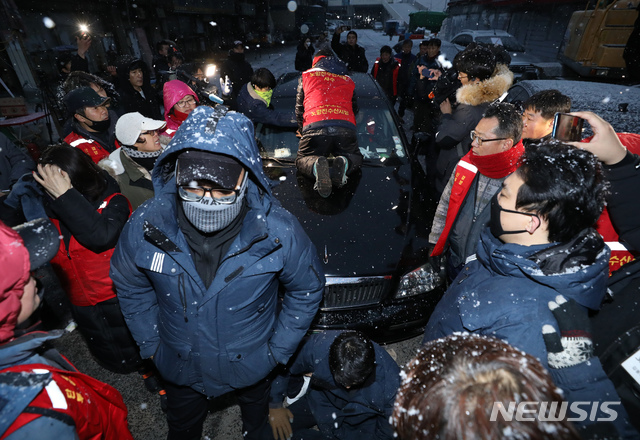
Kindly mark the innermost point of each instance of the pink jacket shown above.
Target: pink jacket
(172, 92)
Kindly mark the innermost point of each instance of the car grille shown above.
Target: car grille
(343, 293)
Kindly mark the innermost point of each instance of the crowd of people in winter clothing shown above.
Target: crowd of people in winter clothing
(181, 265)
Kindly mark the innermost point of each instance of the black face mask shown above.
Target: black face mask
(100, 126)
(495, 225)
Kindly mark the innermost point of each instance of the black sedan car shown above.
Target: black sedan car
(372, 233)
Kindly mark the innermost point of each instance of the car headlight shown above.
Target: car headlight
(422, 280)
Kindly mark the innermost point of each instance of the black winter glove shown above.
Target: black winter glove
(574, 345)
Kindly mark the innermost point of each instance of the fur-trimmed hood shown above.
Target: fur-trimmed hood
(488, 90)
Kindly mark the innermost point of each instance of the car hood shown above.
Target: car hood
(517, 58)
(601, 98)
(523, 58)
(361, 229)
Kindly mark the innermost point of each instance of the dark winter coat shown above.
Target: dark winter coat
(72, 405)
(304, 56)
(255, 108)
(452, 137)
(14, 162)
(231, 334)
(622, 202)
(505, 294)
(133, 101)
(239, 72)
(405, 60)
(420, 88)
(387, 76)
(90, 231)
(353, 56)
(340, 413)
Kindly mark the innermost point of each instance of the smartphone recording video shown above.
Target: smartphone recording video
(567, 127)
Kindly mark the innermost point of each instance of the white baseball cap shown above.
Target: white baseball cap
(130, 125)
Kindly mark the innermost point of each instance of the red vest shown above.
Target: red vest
(96, 408)
(84, 275)
(464, 174)
(92, 148)
(327, 96)
(396, 69)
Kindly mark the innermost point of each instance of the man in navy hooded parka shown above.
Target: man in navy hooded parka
(540, 243)
(198, 268)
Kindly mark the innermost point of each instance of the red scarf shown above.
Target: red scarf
(179, 116)
(499, 165)
(495, 166)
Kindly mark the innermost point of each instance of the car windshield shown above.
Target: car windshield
(378, 136)
(509, 43)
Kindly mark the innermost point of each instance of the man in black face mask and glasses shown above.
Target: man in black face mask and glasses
(217, 282)
(93, 131)
(540, 244)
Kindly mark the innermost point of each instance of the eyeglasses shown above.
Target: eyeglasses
(194, 193)
(185, 102)
(221, 196)
(480, 141)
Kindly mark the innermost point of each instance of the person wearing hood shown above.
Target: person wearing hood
(92, 125)
(254, 101)
(350, 52)
(463, 210)
(304, 54)
(235, 71)
(134, 87)
(132, 163)
(44, 396)
(482, 83)
(326, 106)
(217, 282)
(539, 244)
(179, 101)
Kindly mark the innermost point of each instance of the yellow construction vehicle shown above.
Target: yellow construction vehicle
(595, 39)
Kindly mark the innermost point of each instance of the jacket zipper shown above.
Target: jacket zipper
(183, 296)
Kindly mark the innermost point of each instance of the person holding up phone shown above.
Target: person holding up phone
(539, 112)
(567, 127)
(421, 83)
(350, 52)
(615, 332)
